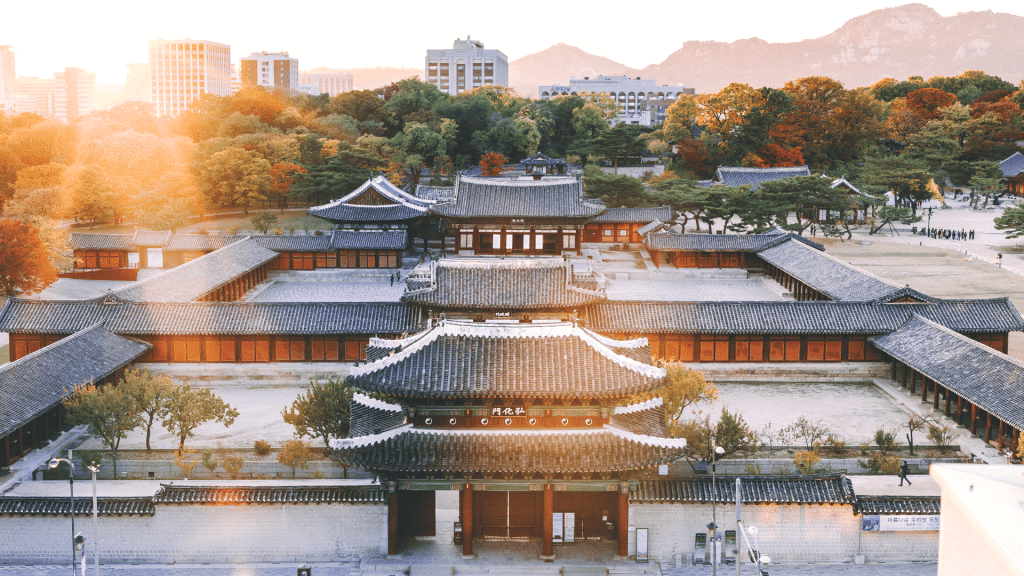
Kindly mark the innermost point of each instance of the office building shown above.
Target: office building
(181, 71)
(324, 81)
(74, 94)
(272, 70)
(137, 82)
(34, 95)
(465, 67)
(640, 101)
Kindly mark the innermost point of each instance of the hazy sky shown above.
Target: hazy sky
(104, 35)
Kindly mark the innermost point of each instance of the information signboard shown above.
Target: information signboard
(899, 523)
(570, 528)
(641, 546)
(556, 528)
(700, 547)
(730, 546)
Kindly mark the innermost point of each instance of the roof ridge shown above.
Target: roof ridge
(967, 340)
(63, 341)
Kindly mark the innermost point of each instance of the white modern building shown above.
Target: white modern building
(465, 67)
(35, 95)
(325, 81)
(272, 70)
(640, 101)
(7, 91)
(137, 82)
(183, 70)
(74, 94)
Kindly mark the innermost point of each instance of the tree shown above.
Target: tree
(88, 196)
(806, 461)
(282, 176)
(986, 179)
(185, 458)
(804, 196)
(722, 113)
(906, 177)
(619, 141)
(187, 409)
(234, 177)
(686, 198)
(809, 432)
(679, 117)
(1012, 221)
(913, 424)
(263, 221)
(109, 412)
(889, 214)
(685, 387)
(294, 454)
(322, 412)
(149, 392)
(24, 263)
(492, 164)
(731, 433)
(927, 102)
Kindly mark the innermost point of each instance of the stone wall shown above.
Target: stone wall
(194, 534)
(787, 532)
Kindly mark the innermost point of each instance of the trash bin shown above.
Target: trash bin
(914, 230)
(305, 570)
(457, 539)
(609, 531)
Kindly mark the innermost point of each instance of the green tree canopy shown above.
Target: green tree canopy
(187, 409)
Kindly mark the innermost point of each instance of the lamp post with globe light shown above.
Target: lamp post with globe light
(715, 452)
(94, 467)
(54, 462)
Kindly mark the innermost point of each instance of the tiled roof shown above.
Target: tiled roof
(647, 418)
(556, 198)
(807, 317)
(636, 215)
(196, 318)
(514, 452)
(198, 242)
(228, 495)
(404, 207)
(385, 188)
(671, 241)
(369, 239)
(811, 489)
(897, 505)
(754, 177)
(542, 159)
(435, 193)
(359, 213)
(31, 385)
(294, 243)
(652, 226)
(470, 360)
(59, 506)
(826, 274)
(502, 285)
(1013, 165)
(368, 416)
(844, 182)
(989, 379)
(81, 241)
(147, 238)
(199, 277)
(778, 231)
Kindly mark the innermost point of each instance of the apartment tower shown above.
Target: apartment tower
(272, 70)
(74, 94)
(181, 71)
(465, 67)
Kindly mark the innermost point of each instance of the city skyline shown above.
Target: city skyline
(104, 37)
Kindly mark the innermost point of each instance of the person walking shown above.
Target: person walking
(903, 473)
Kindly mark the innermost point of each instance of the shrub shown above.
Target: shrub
(942, 436)
(882, 464)
(185, 459)
(295, 454)
(318, 233)
(805, 461)
(206, 457)
(886, 441)
(262, 447)
(835, 444)
(233, 465)
(90, 457)
(752, 469)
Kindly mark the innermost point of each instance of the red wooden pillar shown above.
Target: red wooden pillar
(924, 388)
(988, 426)
(935, 396)
(467, 520)
(959, 410)
(913, 381)
(623, 527)
(947, 402)
(974, 418)
(547, 549)
(392, 523)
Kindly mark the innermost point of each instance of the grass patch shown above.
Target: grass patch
(1015, 249)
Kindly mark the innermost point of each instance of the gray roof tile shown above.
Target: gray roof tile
(196, 318)
(197, 278)
(636, 215)
(810, 489)
(154, 239)
(83, 241)
(236, 495)
(1013, 165)
(198, 242)
(31, 385)
(754, 177)
(987, 378)
(830, 276)
(549, 199)
(282, 243)
(897, 505)
(59, 506)
(369, 239)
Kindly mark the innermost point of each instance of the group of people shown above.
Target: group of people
(943, 234)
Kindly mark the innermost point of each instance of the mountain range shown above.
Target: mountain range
(909, 40)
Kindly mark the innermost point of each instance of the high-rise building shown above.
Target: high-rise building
(640, 101)
(324, 81)
(183, 70)
(272, 70)
(6, 79)
(74, 94)
(465, 67)
(137, 82)
(35, 95)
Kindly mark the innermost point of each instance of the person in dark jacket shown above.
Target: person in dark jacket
(903, 473)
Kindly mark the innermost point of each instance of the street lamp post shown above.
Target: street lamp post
(71, 481)
(715, 451)
(94, 467)
(929, 221)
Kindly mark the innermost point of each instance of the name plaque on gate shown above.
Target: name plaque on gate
(508, 411)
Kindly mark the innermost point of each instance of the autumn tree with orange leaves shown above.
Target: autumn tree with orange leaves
(24, 263)
(282, 176)
(493, 164)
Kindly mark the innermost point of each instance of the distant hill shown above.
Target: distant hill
(557, 65)
(909, 40)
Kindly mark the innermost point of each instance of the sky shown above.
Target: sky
(103, 36)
